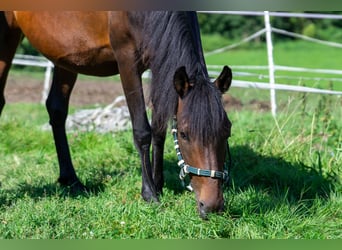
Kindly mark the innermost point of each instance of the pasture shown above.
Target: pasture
(286, 176)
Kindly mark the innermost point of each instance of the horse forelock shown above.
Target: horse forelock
(204, 113)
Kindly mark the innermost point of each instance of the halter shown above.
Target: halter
(186, 169)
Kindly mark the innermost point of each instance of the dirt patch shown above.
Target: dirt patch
(86, 92)
(230, 102)
(260, 105)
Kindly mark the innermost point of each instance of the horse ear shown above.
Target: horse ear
(224, 80)
(181, 82)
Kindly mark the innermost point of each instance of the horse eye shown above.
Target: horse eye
(184, 136)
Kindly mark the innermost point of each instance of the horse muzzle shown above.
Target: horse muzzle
(205, 208)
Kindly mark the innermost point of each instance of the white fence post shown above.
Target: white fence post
(46, 82)
(270, 62)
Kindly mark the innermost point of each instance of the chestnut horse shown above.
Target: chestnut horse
(127, 43)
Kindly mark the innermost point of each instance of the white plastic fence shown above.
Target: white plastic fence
(37, 61)
(272, 67)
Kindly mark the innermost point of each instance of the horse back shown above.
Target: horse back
(77, 41)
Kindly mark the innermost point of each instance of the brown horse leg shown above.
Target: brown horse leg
(158, 141)
(57, 106)
(131, 82)
(9, 40)
(142, 136)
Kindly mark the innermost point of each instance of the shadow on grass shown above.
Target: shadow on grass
(283, 181)
(280, 177)
(36, 192)
(171, 177)
(95, 183)
(266, 183)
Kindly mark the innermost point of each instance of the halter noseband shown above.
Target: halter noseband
(186, 169)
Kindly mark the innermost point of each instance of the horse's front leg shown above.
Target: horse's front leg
(57, 106)
(158, 142)
(132, 86)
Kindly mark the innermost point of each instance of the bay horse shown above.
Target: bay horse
(106, 43)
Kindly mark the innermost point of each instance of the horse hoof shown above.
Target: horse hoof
(75, 185)
(150, 198)
(78, 187)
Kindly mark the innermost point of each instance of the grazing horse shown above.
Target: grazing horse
(106, 43)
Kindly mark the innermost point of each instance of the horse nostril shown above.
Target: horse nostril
(202, 210)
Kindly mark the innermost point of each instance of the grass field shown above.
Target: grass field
(286, 178)
(286, 181)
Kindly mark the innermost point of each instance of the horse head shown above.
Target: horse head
(201, 129)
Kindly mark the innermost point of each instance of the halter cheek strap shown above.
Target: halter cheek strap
(186, 169)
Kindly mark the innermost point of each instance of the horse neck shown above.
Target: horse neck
(171, 40)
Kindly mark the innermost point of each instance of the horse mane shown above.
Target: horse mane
(172, 40)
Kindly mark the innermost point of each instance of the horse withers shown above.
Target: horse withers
(128, 43)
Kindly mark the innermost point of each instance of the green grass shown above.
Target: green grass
(285, 180)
